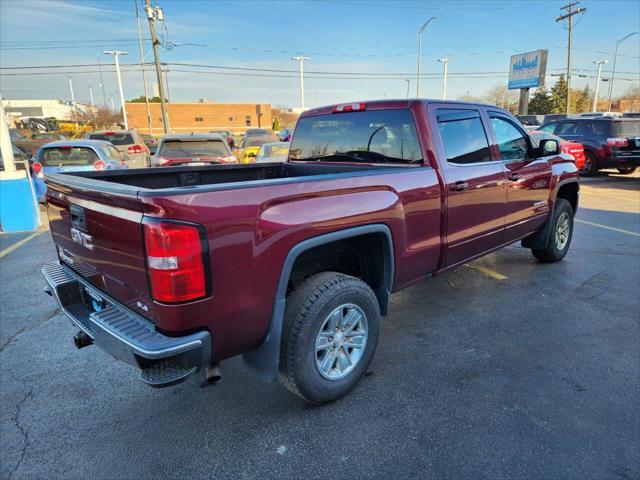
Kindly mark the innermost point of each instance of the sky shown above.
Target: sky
(368, 38)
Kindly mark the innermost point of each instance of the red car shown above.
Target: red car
(576, 150)
(293, 264)
(196, 149)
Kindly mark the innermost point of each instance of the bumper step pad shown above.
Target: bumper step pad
(164, 374)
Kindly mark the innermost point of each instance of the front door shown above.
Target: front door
(475, 183)
(528, 178)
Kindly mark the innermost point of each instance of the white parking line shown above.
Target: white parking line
(599, 225)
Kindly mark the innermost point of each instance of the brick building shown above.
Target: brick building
(200, 117)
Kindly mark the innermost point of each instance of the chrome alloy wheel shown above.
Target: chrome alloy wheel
(341, 341)
(563, 228)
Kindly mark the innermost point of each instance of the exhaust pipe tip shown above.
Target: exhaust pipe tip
(81, 340)
(48, 291)
(213, 373)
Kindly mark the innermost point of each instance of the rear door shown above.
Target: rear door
(528, 177)
(474, 179)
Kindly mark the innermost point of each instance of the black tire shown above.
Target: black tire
(307, 308)
(553, 253)
(627, 170)
(590, 167)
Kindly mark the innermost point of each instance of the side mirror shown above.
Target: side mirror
(548, 147)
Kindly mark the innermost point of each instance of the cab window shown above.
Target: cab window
(463, 136)
(510, 140)
(549, 127)
(568, 128)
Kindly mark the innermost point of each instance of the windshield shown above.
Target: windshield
(65, 156)
(372, 136)
(117, 138)
(200, 148)
(274, 150)
(627, 128)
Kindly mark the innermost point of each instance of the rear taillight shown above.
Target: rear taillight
(175, 261)
(136, 149)
(350, 107)
(99, 165)
(36, 167)
(617, 142)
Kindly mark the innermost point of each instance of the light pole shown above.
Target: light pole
(408, 80)
(445, 62)
(73, 98)
(116, 54)
(613, 70)
(91, 96)
(420, 30)
(301, 60)
(600, 63)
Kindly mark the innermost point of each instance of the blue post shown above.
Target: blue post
(18, 211)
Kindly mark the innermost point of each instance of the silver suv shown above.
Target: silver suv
(128, 142)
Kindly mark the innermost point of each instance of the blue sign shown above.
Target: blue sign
(527, 70)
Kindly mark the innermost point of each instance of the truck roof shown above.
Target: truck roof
(390, 104)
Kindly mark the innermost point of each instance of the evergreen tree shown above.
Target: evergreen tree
(583, 103)
(559, 95)
(541, 102)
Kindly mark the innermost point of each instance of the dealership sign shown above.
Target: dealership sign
(528, 69)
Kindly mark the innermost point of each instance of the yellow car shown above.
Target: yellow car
(249, 147)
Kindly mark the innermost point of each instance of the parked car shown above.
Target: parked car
(608, 142)
(226, 134)
(29, 145)
(576, 150)
(77, 156)
(273, 152)
(600, 114)
(19, 156)
(285, 134)
(194, 149)
(293, 264)
(527, 120)
(631, 115)
(128, 142)
(47, 136)
(249, 147)
(150, 141)
(257, 132)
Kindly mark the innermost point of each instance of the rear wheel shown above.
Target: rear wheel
(627, 169)
(590, 166)
(330, 334)
(561, 234)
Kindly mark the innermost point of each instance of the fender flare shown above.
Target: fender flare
(264, 362)
(540, 240)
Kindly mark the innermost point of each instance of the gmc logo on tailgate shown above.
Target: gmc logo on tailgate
(82, 238)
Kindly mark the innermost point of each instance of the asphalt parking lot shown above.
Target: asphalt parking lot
(505, 368)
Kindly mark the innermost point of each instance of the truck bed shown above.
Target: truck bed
(217, 177)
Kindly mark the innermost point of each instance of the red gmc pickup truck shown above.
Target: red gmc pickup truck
(292, 264)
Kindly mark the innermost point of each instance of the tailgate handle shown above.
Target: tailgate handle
(78, 218)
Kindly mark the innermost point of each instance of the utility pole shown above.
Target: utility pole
(91, 96)
(301, 60)
(569, 16)
(144, 75)
(116, 54)
(152, 14)
(408, 80)
(613, 71)
(420, 30)
(445, 61)
(595, 95)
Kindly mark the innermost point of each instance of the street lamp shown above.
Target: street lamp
(445, 62)
(600, 63)
(301, 60)
(613, 71)
(408, 80)
(420, 30)
(116, 54)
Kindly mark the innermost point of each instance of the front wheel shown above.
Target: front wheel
(561, 234)
(330, 334)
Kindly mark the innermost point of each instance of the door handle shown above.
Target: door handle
(458, 186)
(515, 176)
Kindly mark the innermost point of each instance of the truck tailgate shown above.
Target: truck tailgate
(99, 236)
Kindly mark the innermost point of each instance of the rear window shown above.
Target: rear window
(275, 151)
(57, 157)
(256, 131)
(115, 138)
(376, 136)
(463, 136)
(626, 129)
(177, 148)
(256, 141)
